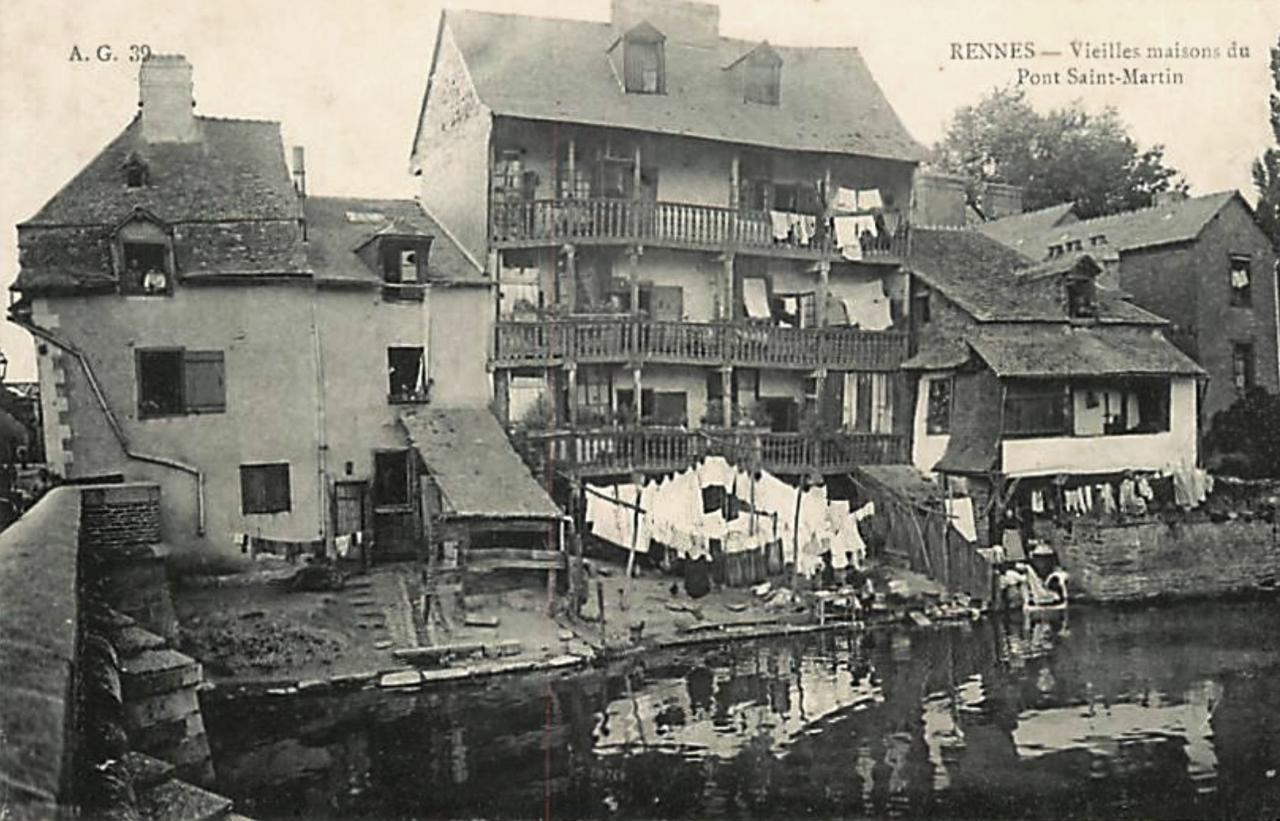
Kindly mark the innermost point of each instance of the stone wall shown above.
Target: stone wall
(120, 515)
(1127, 562)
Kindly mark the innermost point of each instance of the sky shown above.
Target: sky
(346, 77)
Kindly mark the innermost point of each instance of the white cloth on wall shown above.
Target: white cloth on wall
(867, 305)
(845, 199)
(755, 298)
(960, 512)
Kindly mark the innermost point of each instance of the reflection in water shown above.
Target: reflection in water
(1169, 712)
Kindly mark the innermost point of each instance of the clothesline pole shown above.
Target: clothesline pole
(795, 549)
(635, 535)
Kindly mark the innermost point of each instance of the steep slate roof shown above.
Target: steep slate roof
(555, 69)
(1054, 352)
(474, 465)
(1170, 222)
(982, 276)
(333, 238)
(1022, 231)
(235, 172)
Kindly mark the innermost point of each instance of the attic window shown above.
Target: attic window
(762, 79)
(1241, 293)
(136, 173)
(404, 262)
(1075, 245)
(367, 217)
(1099, 239)
(643, 66)
(1081, 297)
(1055, 251)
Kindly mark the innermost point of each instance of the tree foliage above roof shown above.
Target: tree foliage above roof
(1065, 155)
(1266, 169)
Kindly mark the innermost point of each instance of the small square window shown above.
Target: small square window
(938, 417)
(265, 489)
(146, 269)
(404, 261)
(406, 374)
(1241, 281)
(762, 82)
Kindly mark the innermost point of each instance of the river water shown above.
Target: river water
(1160, 712)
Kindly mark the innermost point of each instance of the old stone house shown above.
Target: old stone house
(203, 324)
(1202, 262)
(691, 234)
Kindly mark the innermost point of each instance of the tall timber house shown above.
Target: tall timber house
(697, 240)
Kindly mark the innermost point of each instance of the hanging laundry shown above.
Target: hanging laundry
(960, 512)
(1087, 498)
(1144, 489)
(869, 199)
(780, 224)
(866, 511)
(867, 305)
(1012, 543)
(848, 231)
(1108, 499)
(845, 199)
(342, 546)
(1037, 502)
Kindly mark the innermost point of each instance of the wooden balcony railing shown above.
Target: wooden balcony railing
(600, 340)
(670, 223)
(652, 449)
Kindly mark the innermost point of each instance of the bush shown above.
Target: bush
(1245, 438)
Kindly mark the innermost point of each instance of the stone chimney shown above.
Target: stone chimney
(999, 200)
(938, 200)
(680, 20)
(166, 100)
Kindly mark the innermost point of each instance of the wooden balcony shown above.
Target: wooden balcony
(681, 225)
(589, 340)
(657, 450)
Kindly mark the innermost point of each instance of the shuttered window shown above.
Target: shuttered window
(204, 381)
(265, 488)
(174, 381)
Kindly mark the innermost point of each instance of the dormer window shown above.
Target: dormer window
(1082, 297)
(136, 173)
(643, 64)
(761, 72)
(143, 257)
(404, 261)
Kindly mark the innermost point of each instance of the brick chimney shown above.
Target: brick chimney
(999, 200)
(680, 20)
(938, 200)
(166, 99)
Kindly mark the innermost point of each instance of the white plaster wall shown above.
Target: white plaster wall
(926, 450)
(1106, 454)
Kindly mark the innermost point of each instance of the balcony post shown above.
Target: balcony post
(633, 275)
(571, 377)
(726, 396)
(570, 295)
(824, 281)
(502, 394)
(726, 287)
(735, 172)
(635, 388)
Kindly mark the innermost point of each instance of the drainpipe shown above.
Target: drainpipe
(322, 442)
(164, 461)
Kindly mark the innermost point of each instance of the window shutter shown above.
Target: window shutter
(205, 382)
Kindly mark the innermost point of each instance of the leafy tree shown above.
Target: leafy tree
(1266, 169)
(1066, 155)
(1245, 437)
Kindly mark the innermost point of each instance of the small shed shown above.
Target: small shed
(483, 510)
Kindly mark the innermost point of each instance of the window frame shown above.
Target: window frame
(1029, 392)
(1240, 297)
(635, 68)
(932, 426)
(271, 504)
(762, 80)
(186, 356)
(141, 229)
(1244, 369)
(413, 396)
